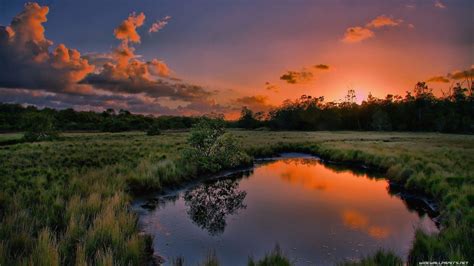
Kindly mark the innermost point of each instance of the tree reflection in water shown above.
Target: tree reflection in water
(209, 204)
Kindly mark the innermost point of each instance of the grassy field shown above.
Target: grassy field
(66, 201)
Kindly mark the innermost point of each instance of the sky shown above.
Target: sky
(194, 57)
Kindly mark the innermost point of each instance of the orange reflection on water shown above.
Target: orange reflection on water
(358, 221)
(379, 232)
(355, 197)
(339, 184)
(354, 219)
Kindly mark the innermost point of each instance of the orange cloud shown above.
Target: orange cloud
(24, 48)
(438, 79)
(357, 34)
(255, 102)
(383, 21)
(158, 68)
(467, 75)
(65, 58)
(61, 77)
(28, 25)
(127, 30)
(127, 73)
(158, 25)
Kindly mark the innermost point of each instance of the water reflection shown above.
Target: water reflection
(209, 204)
(318, 212)
(356, 220)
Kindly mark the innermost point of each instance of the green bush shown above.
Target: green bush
(39, 127)
(153, 130)
(212, 149)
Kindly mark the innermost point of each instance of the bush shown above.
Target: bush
(39, 127)
(212, 149)
(153, 130)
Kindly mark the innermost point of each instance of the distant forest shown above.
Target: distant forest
(419, 110)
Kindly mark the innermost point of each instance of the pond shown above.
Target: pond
(317, 213)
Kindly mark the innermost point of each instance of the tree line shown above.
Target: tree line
(419, 110)
(15, 117)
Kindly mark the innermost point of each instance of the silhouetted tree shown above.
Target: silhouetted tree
(248, 119)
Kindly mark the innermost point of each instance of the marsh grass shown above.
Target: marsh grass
(69, 199)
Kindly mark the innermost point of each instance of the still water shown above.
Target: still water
(318, 213)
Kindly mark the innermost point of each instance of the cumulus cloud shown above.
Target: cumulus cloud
(98, 59)
(26, 60)
(383, 21)
(33, 70)
(125, 72)
(158, 25)
(357, 34)
(127, 30)
(439, 4)
(441, 79)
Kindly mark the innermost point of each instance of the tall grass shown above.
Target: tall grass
(69, 199)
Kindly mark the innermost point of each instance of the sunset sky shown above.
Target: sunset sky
(195, 57)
